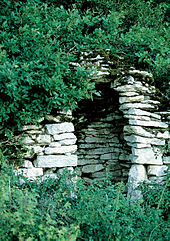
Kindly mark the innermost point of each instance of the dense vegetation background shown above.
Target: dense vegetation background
(40, 38)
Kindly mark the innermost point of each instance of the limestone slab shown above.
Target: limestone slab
(135, 99)
(54, 129)
(154, 170)
(137, 130)
(64, 136)
(137, 175)
(166, 160)
(138, 139)
(67, 142)
(148, 123)
(137, 112)
(60, 149)
(137, 106)
(55, 161)
(146, 156)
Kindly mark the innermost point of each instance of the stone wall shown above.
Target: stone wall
(50, 146)
(122, 131)
(99, 129)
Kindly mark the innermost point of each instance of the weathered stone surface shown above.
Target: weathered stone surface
(55, 161)
(144, 140)
(146, 156)
(154, 102)
(135, 99)
(92, 168)
(137, 106)
(141, 73)
(54, 129)
(139, 145)
(164, 135)
(54, 144)
(154, 170)
(85, 161)
(137, 175)
(137, 130)
(134, 117)
(44, 139)
(133, 93)
(101, 140)
(68, 142)
(166, 160)
(64, 136)
(148, 123)
(138, 112)
(106, 156)
(60, 150)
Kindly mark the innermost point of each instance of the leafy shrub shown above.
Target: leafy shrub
(39, 40)
(100, 211)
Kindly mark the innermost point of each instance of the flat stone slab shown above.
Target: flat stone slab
(60, 149)
(148, 123)
(158, 171)
(146, 156)
(55, 161)
(54, 129)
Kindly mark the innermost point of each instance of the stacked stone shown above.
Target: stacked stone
(146, 132)
(50, 146)
(101, 148)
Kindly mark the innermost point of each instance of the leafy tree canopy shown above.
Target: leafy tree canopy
(40, 38)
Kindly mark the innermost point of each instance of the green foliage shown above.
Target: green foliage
(48, 210)
(40, 40)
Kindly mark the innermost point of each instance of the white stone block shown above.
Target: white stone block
(137, 130)
(144, 140)
(156, 170)
(129, 94)
(92, 168)
(44, 139)
(166, 160)
(146, 156)
(67, 142)
(64, 136)
(137, 106)
(60, 150)
(54, 144)
(134, 117)
(164, 135)
(137, 175)
(54, 129)
(148, 123)
(138, 112)
(135, 99)
(56, 161)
